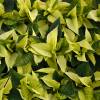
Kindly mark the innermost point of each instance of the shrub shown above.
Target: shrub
(49, 50)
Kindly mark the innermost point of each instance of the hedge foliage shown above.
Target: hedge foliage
(49, 49)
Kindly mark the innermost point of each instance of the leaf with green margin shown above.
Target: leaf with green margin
(23, 42)
(3, 51)
(46, 70)
(35, 85)
(10, 60)
(94, 15)
(32, 14)
(72, 22)
(6, 35)
(25, 93)
(43, 27)
(52, 38)
(85, 44)
(24, 69)
(92, 58)
(50, 82)
(38, 59)
(22, 28)
(84, 80)
(62, 62)
(81, 57)
(97, 76)
(88, 35)
(42, 49)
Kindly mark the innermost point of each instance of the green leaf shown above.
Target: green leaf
(38, 59)
(92, 58)
(6, 35)
(22, 28)
(3, 51)
(42, 49)
(88, 36)
(10, 60)
(97, 75)
(94, 15)
(62, 62)
(50, 82)
(72, 22)
(23, 42)
(52, 38)
(85, 44)
(32, 14)
(84, 80)
(43, 27)
(46, 70)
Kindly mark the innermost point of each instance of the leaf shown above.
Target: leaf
(97, 75)
(22, 28)
(81, 95)
(50, 82)
(24, 69)
(1, 94)
(92, 58)
(81, 57)
(35, 85)
(52, 38)
(6, 35)
(88, 36)
(3, 51)
(23, 42)
(43, 27)
(94, 15)
(10, 60)
(42, 49)
(84, 80)
(85, 44)
(72, 22)
(62, 62)
(69, 34)
(32, 14)
(46, 70)
(38, 59)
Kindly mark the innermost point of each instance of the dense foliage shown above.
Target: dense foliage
(49, 50)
